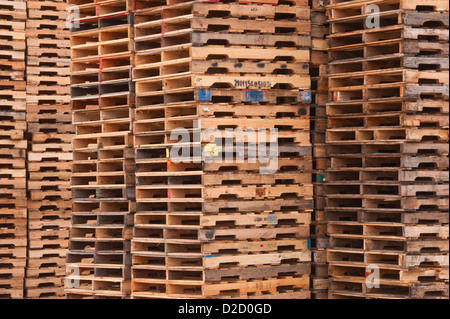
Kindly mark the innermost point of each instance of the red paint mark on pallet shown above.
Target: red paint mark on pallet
(258, 3)
(88, 19)
(121, 14)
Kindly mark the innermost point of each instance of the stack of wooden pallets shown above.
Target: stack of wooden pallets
(13, 145)
(103, 166)
(387, 186)
(319, 86)
(49, 156)
(207, 227)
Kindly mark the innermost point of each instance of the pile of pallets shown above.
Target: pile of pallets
(387, 139)
(207, 227)
(103, 166)
(13, 145)
(49, 155)
(319, 90)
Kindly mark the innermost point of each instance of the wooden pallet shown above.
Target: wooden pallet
(250, 10)
(222, 67)
(343, 289)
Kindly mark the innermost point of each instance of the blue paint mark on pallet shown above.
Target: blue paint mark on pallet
(204, 95)
(254, 96)
(305, 96)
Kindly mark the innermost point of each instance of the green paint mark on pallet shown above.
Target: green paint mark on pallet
(320, 178)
